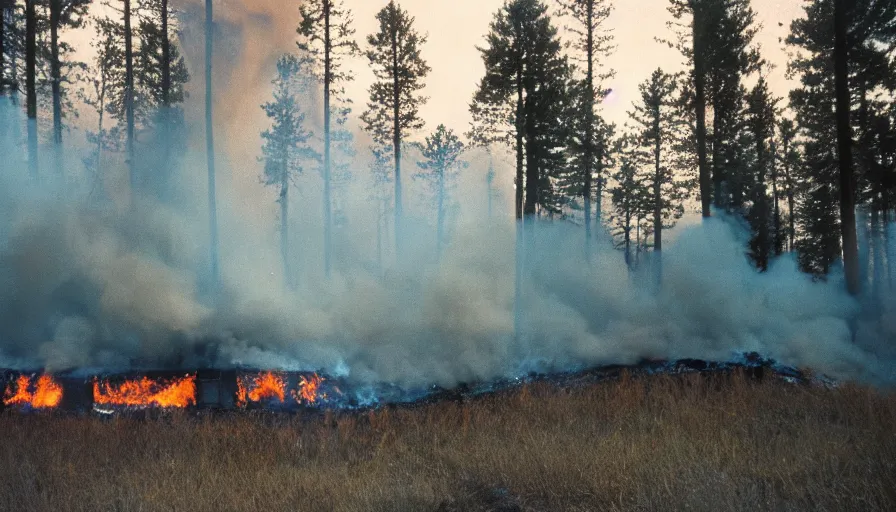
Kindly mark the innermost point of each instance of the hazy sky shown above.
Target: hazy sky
(455, 28)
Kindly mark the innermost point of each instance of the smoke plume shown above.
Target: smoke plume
(99, 286)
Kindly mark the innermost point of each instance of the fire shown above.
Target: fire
(309, 389)
(264, 386)
(146, 392)
(46, 392)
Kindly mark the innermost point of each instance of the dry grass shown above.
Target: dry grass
(659, 443)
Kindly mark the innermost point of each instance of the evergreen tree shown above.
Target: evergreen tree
(859, 63)
(761, 115)
(441, 153)
(210, 144)
(593, 42)
(399, 70)
(630, 199)
(63, 14)
(97, 86)
(381, 168)
(526, 73)
(286, 148)
(717, 43)
(160, 77)
(31, 82)
(788, 159)
(656, 125)
(328, 39)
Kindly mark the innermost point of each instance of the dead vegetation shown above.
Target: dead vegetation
(658, 443)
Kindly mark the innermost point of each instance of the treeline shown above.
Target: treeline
(809, 174)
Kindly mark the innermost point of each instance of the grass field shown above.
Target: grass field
(656, 443)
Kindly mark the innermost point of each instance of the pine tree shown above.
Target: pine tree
(788, 159)
(63, 14)
(102, 76)
(399, 70)
(593, 42)
(210, 144)
(441, 152)
(328, 39)
(630, 199)
(380, 169)
(717, 43)
(656, 125)
(761, 113)
(844, 148)
(859, 61)
(580, 176)
(31, 82)
(526, 74)
(286, 148)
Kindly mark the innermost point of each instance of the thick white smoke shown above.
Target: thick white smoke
(83, 285)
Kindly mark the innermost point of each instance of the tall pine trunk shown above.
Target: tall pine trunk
(599, 194)
(210, 146)
(396, 140)
(31, 83)
(589, 126)
(700, 106)
(489, 183)
(720, 198)
(519, 146)
(56, 78)
(284, 225)
(877, 248)
(657, 198)
(166, 103)
(328, 207)
(519, 255)
(778, 241)
(129, 99)
(844, 144)
(440, 215)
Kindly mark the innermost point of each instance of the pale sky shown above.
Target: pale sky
(455, 28)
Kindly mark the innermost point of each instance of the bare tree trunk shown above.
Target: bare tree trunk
(129, 99)
(380, 218)
(589, 126)
(489, 181)
(877, 248)
(166, 103)
(700, 106)
(657, 200)
(31, 83)
(56, 77)
(519, 256)
(440, 215)
(844, 144)
(396, 141)
(284, 226)
(328, 208)
(210, 145)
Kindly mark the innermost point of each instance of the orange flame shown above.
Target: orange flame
(147, 392)
(309, 389)
(264, 386)
(46, 395)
